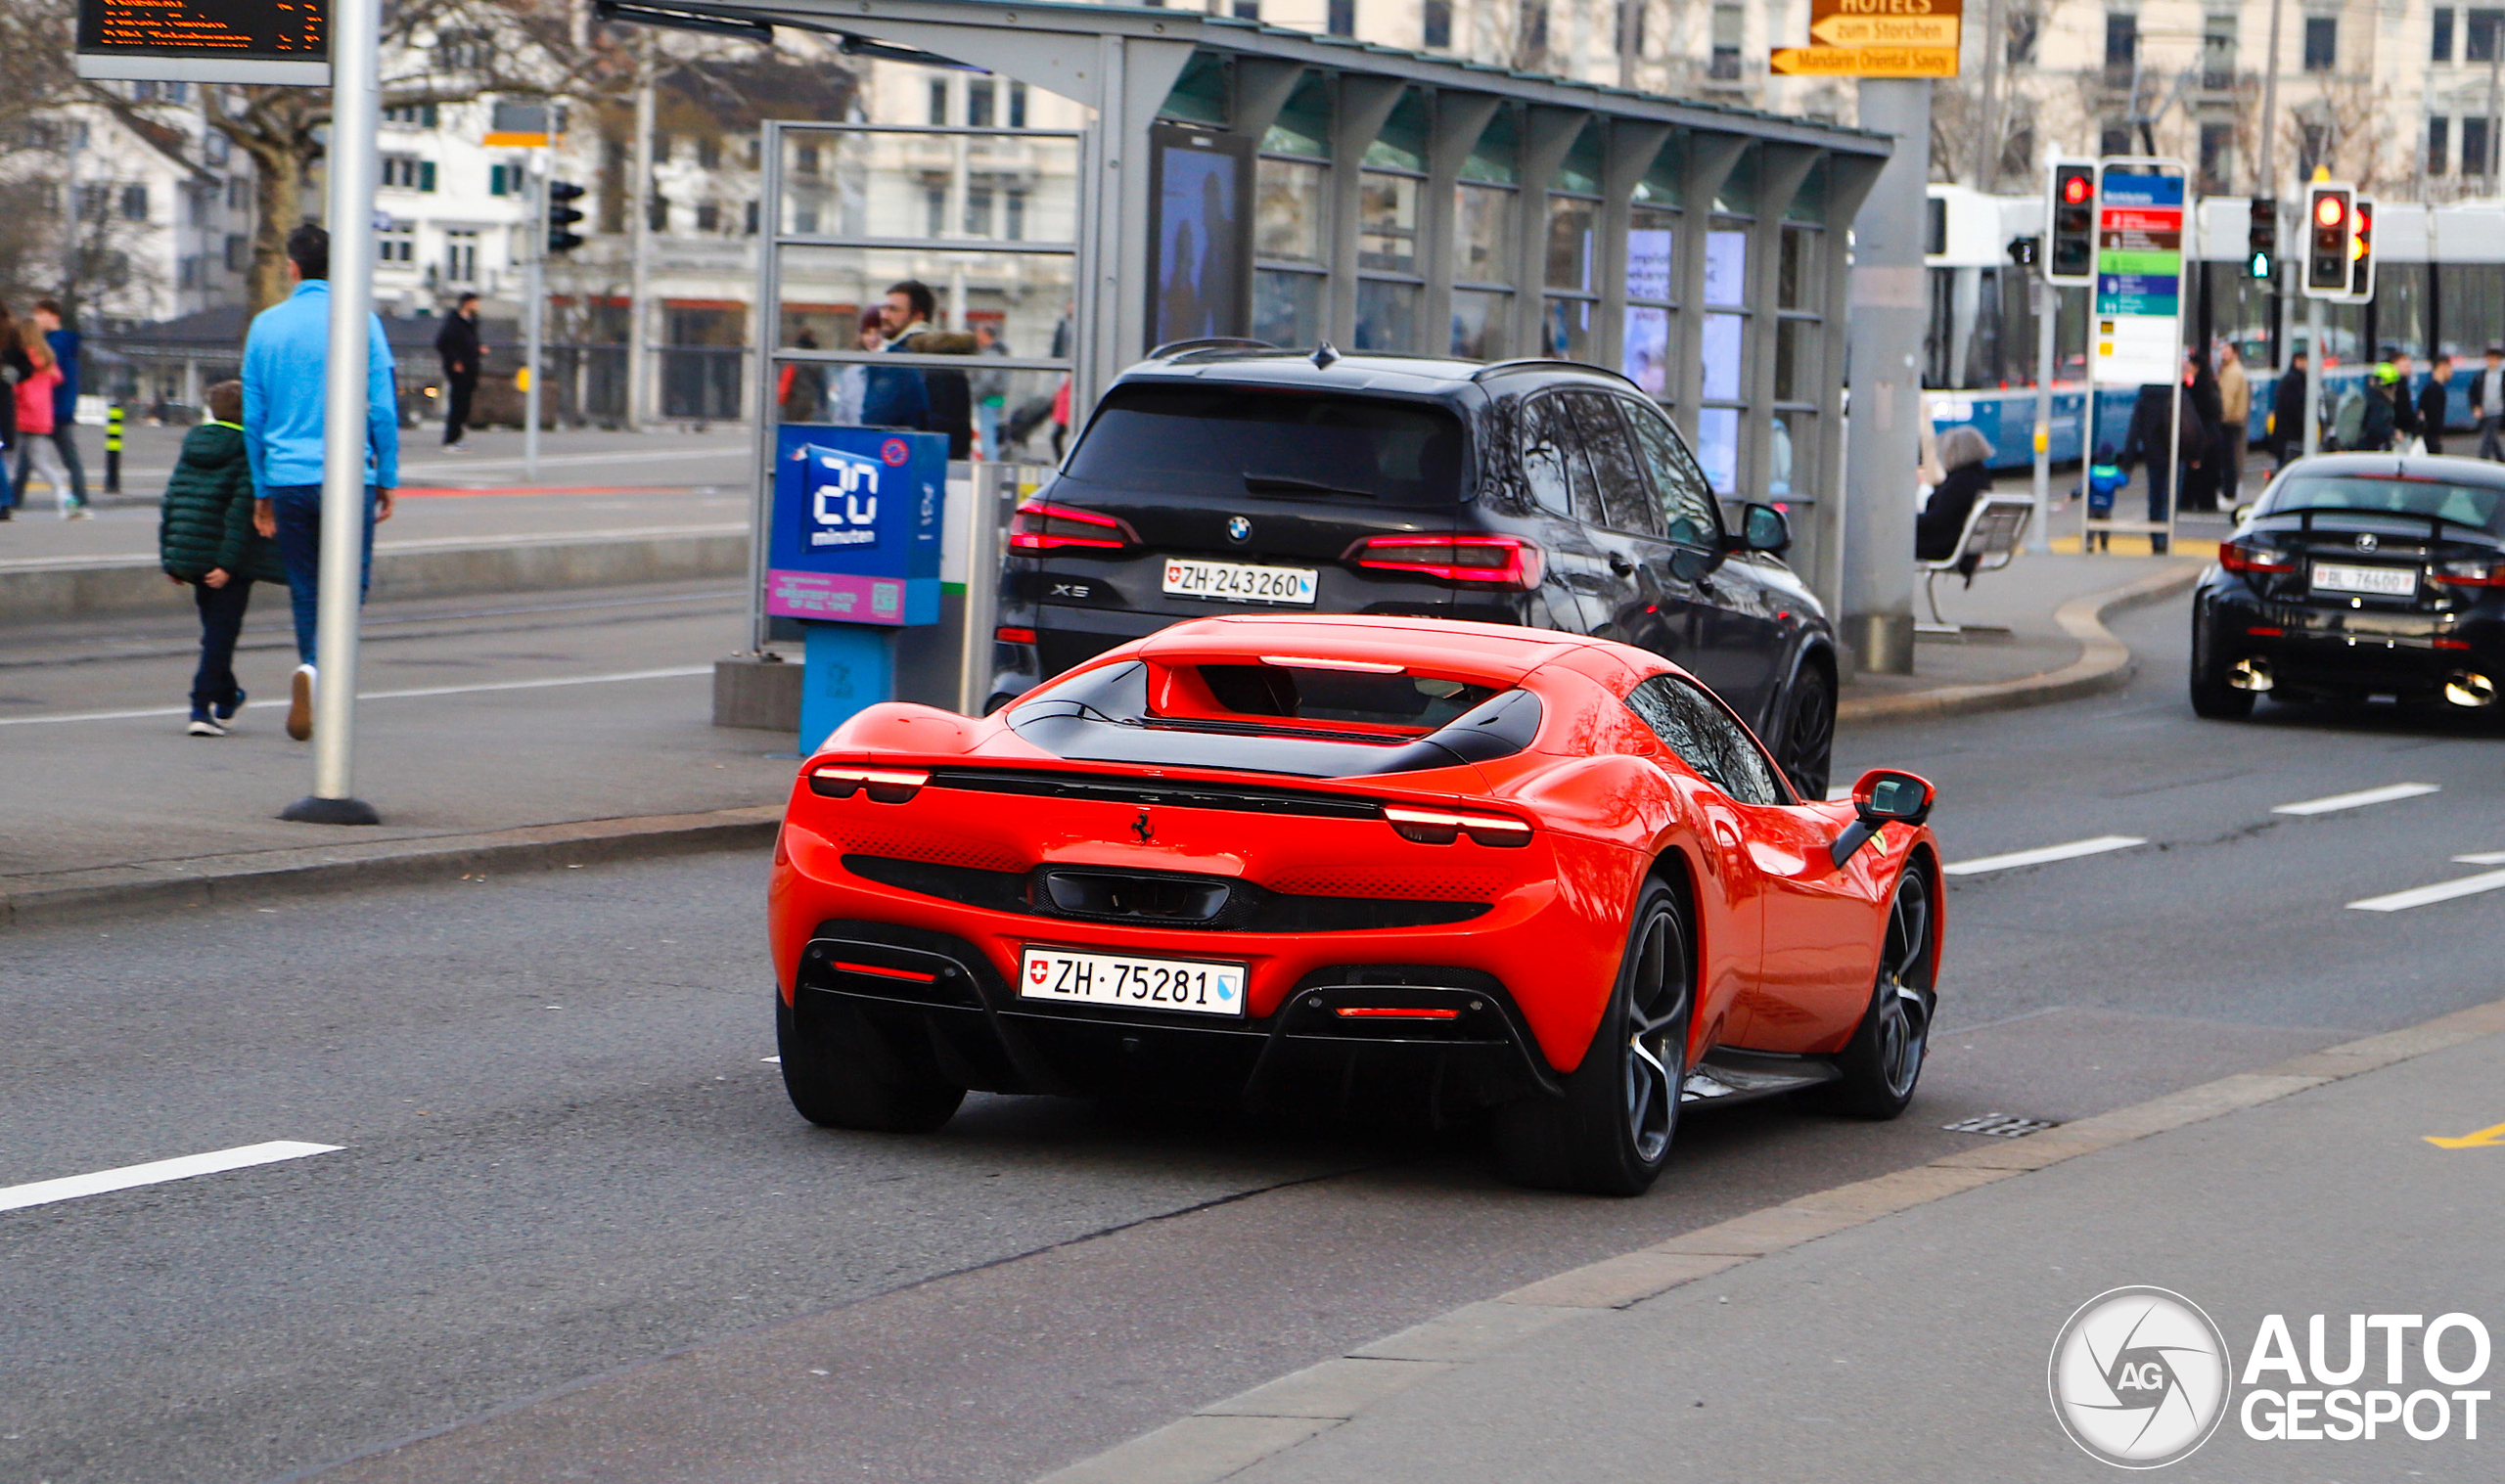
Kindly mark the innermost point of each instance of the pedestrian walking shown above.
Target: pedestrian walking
(2288, 412)
(2487, 404)
(458, 344)
(2378, 421)
(2235, 422)
(896, 398)
(947, 399)
(285, 360)
(61, 429)
(800, 391)
(15, 367)
(2150, 442)
(206, 541)
(35, 403)
(2435, 404)
(2200, 482)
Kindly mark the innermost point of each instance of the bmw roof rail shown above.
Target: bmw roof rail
(1546, 363)
(1209, 343)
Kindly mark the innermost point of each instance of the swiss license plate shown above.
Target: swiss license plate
(1237, 582)
(2373, 581)
(1103, 978)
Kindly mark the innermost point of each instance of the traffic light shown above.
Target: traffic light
(562, 217)
(2361, 251)
(2261, 241)
(2328, 220)
(2023, 250)
(2069, 206)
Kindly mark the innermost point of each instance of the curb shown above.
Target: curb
(2105, 662)
(264, 876)
(1226, 1437)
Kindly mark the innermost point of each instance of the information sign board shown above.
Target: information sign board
(268, 41)
(856, 525)
(2138, 312)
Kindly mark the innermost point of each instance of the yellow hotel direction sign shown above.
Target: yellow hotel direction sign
(1886, 31)
(1866, 61)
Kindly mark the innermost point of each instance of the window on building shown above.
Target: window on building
(395, 245)
(2122, 40)
(461, 49)
(2475, 160)
(2478, 34)
(2026, 26)
(214, 148)
(708, 217)
(461, 257)
(1248, 9)
(2114, 138)
(1342, 18)
(187, 272)
(503, 180)
(657, 212)
(407, 172)
(660, 148)
(755, 152)
(804, 160)
(2322, 43)
(750, 225)
(708, 153)
(144, 91)
(237, 194)
(238, 255)
(938, 111)
(1013, 224)
(1730, 28)
(804, 220)
(411, 115)
(1630, 26)
(2218, 51)
(93, 200)
(979, 96)
(2439, 144)
(935, 212)
(978, 210)
(1435, 28)
(1016, 105)
(2439, 35)
(2218, 157)
(134, 202)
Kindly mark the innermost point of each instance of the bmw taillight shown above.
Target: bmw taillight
(2485, 571)
(1041, 526)
(1496, 560)
(1437, 826)
(2253, 557)
(885, 786)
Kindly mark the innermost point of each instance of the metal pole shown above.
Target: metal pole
(767, 325)
(1883, 444)
(2266, 181)
(2315, 378)
(639, 291)
(535, 285)
(355, 53)
(995, 487)
(2495, 54)
(2048, 307)
(1987, 149)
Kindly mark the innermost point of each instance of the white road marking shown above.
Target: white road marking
(156, 1172)
(674, 674)
(2442, 891)
(2484, 858)
(2357, 800)
(2043, 854)
(774, 1061)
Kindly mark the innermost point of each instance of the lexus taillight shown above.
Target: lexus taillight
(2253, 557)
(885, 786)
(1041, 526)
(2482, 572)
(1437, 826)
(1496, 560)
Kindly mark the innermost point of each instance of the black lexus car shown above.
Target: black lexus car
(1226, 480)
(2358, 575)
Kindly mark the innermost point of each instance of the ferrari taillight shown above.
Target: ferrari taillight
(1039, 525)
(2482, 572)
(1434, 827)
(885, 786)
(2253, 557)
(1496, 560)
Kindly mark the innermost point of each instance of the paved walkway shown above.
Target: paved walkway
(1899, 1329)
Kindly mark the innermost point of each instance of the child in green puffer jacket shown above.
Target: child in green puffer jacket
(204, 539)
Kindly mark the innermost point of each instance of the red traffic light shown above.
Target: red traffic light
(2329, 210)
(2073, 189)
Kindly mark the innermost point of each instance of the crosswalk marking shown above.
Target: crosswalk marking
(2357, 800)
(156, 1172)
(2043, 854)
(2442, 891)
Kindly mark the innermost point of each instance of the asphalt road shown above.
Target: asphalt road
(572, 1231)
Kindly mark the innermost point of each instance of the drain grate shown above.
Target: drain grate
(2001, 1125)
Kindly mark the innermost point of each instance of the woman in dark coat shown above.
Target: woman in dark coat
(2201, 476)
(1966, 455)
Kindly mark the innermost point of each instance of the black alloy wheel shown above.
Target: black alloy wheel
(1883, 1061)
(1809, 733)
(2213, 698)
(1611, 1133)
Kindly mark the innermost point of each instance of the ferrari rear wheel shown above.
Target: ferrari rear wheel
(1611, 1133)
(841, 1074)
(1884, 1059)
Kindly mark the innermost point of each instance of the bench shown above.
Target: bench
(1994, 531)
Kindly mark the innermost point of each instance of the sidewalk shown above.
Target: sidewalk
(1899, 1329)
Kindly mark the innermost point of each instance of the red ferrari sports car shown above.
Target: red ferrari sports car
(1353, 865)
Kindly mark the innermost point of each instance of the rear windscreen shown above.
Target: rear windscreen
(1234, 442)
(2475, 505)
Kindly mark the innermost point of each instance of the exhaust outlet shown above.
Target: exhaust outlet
(2252, 674)
(2469, 689)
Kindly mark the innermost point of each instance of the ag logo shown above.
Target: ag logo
(2139, 1378)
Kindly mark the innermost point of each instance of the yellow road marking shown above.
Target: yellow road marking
(2483, 1139)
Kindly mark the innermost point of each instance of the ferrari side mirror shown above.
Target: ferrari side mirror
(1884, 797)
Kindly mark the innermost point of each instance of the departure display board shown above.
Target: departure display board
(285, 42)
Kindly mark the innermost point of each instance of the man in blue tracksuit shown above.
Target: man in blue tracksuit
(285, 361)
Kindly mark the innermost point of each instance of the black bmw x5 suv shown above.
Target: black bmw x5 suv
(1221, 479)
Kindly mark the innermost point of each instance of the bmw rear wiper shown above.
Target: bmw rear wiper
(1290, 484)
